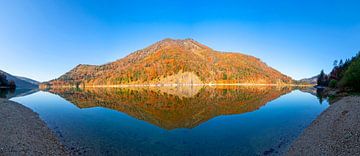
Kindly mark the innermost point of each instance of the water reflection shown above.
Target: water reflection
(175, 107)
(221, 120)
(11, 93)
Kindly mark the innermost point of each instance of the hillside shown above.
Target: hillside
(175, 61)
(21, 82)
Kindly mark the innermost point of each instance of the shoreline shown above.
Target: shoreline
(22, 132)
(179, 85)
(336, 131)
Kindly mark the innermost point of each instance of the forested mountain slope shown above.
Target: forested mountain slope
(175, 61)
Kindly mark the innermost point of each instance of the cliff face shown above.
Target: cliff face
(175, 61)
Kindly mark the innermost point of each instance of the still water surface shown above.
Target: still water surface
(228, 120)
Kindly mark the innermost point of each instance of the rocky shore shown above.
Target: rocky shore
(335, 132)
(22, 132)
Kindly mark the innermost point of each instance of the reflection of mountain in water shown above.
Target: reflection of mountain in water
(171, 108)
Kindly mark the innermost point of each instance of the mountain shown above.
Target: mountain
(312, 80)
(21, 82)
(175, 62)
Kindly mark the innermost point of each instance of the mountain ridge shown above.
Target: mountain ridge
(178, 58)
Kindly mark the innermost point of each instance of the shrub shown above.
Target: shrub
(332, 83)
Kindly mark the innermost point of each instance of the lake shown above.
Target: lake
(210, 120)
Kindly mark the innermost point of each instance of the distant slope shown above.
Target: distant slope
(175, 61)
(21, 82)
(312, 80)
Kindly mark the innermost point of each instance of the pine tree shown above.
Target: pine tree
(3, 80)
(12, 84)
(321, 78)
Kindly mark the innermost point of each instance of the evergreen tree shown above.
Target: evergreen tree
(3, 80)
(12, 84)
(341, 63)
(335, 63)
(321, 78)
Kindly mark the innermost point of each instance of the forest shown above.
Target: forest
(345, 75)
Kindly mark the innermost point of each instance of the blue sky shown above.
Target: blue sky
(43, 39)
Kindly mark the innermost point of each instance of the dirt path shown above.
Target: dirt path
(22, 132)
(335, 132)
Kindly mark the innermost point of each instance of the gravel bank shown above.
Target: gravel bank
(335, 132)
(22, 132)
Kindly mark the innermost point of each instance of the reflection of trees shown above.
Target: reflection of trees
(171, 110)
(319, 94)
(5, 91)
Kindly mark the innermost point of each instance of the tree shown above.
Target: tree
(3, 80)
(341, 63)
(357, 55)
(12, 84)
(224, 76)
(335, 63)
(321, 78)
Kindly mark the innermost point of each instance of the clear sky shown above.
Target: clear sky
(42, 39)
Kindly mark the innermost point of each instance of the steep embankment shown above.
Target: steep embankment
(175, 61)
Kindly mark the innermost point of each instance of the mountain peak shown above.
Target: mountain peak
(187, 43)
(176, 40)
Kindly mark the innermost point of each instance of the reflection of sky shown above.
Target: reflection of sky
(273, 125)
(44, 39)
